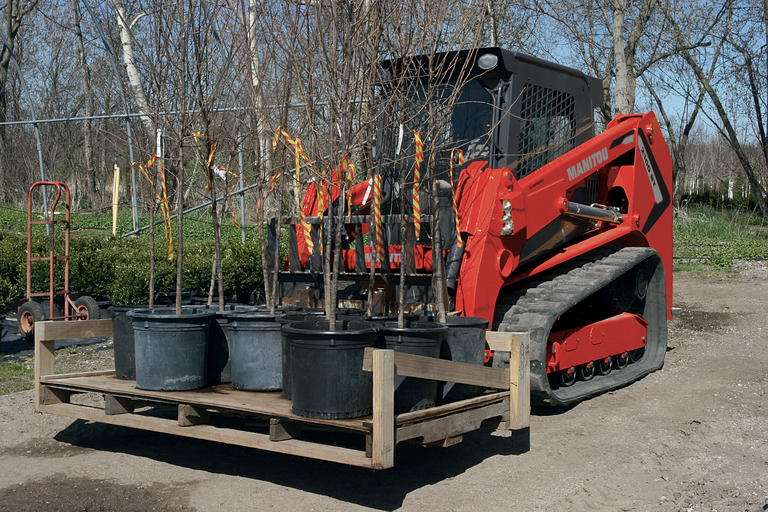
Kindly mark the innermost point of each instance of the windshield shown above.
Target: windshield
(446, 117)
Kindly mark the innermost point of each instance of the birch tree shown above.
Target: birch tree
(131, 67)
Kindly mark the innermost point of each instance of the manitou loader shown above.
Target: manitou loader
(567, 233)
(561, 236)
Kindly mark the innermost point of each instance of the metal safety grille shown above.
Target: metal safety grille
(546, 127)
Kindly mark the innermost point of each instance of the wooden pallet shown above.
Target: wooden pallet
(505, 406)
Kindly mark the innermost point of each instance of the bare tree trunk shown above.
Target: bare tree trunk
(129, 60)
(85, 79)
(179, 230)
(216, 238)
(438, 278)
(403, 256)
(276, 262)
(281, 190)
(621, 92)
(262, 137)
(677, 145)
(152, 255)
(491, 15)
(15, 10)
(264, 236)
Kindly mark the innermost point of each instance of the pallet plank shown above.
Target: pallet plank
(43, 366)
(67, 330)
(443, 410)
(431, 431)
(409, 365)
(60, 376)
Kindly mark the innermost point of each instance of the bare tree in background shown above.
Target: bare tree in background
(743, 34)
(675, 77)
(85, 78)
(14, 12)
(131, 67)
(615, 40)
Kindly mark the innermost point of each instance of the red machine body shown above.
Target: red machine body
(492, 261)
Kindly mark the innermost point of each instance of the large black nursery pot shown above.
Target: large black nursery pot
(327, 368)
(392, 317)
(219, 361)
(122, 340)
(465, 343)
(421, 339)
(255, 350)
(171, 349)
(285, 346)
(278, 309)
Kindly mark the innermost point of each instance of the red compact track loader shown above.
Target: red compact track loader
(567, 234)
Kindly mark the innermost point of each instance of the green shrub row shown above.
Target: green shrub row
(116, 269)
(197, 225)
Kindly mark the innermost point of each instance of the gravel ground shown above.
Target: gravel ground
(690, 437)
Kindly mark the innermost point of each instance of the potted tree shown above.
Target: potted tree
(172, 343)
(327, 354)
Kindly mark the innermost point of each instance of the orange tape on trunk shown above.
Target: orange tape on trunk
(459, 241)
(416, 181)
(377, 217)
(298, 156)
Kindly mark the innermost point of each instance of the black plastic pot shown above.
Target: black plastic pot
(279, 310)
(392, 317)
(285, 346)
(255, 351)
(465, 343)
(388, 320)
(122, 340)
(421, 339)
(171, 349)
(219, 361)
(327, 368)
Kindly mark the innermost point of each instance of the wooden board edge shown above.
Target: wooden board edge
(383, 432)
(520, 382)
(67, 330)
(436, 429)
(502, 341)
(409, 365)
(451, 408)
(60, 376)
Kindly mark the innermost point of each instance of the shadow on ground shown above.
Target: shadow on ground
(14, 348)
(415, 466)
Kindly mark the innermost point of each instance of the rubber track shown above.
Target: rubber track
(536, 308)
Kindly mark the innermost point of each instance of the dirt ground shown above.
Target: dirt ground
(691, 437)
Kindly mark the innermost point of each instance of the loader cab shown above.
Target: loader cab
(504, 107)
